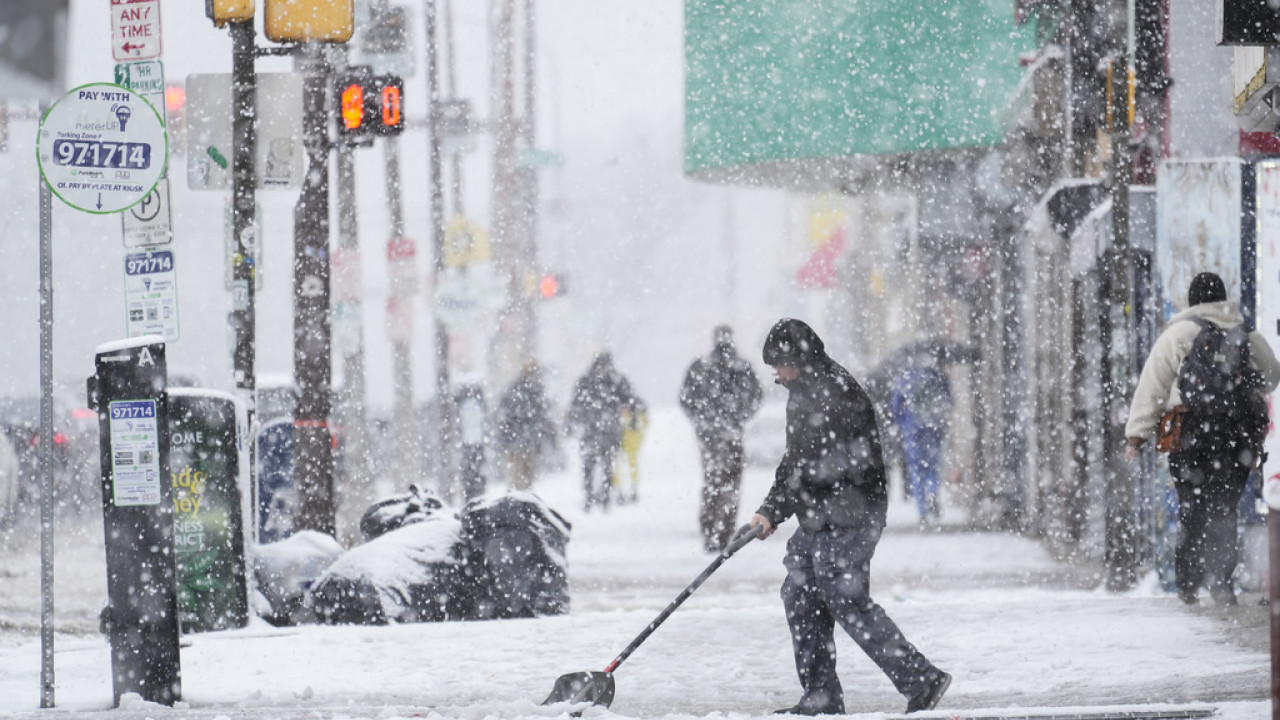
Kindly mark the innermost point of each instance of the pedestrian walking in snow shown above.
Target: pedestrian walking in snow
(720, 393)
(1218, 447)
(626, 473)
(524, 427)
(920, 403)
(832, 479)
(595, 415)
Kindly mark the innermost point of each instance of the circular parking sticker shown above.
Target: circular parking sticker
(102, 148)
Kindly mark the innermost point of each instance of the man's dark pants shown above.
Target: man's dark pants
(597, 470)
(828, 582)
(1209, 486)
(722, 460)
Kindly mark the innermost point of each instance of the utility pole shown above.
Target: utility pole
(510, 344)
(244, 98)
(451, 76)
(1121, 551)
(348, 336)
(528, 177)
(312, 448)
(402, 269)
(435, 176)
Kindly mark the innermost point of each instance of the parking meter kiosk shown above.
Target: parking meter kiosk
(128, 392)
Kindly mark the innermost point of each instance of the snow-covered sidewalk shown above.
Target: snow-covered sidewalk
(1017, 630)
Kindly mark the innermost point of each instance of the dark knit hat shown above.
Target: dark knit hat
(792, 343)
(1206, 287)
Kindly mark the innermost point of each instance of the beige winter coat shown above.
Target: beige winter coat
(1157, 390)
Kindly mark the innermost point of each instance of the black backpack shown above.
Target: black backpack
(1221, 390)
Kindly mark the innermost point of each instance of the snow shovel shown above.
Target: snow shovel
(597, 687)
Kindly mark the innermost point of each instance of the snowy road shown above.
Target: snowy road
(1017, 630)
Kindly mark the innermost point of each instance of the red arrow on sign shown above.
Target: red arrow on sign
(130, 47)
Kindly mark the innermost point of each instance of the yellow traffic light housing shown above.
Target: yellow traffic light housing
(222, 12)
(303, 20)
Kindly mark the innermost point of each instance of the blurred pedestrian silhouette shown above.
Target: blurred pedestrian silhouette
(595, 416)
(635, 421)
(720, 393)
(524, 429)
(920, 402)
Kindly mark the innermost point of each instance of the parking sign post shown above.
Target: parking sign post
(100, 149)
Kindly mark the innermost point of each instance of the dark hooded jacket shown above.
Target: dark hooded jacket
(720, 393)
(524, 421)
(596, 407)
(832, 475)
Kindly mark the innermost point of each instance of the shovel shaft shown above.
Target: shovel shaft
(745, 535)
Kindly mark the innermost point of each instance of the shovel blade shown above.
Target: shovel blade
(593, 687)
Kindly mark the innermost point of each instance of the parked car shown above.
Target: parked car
(20, 425)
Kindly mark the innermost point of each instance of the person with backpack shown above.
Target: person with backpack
(595, 415)
(1206, 376)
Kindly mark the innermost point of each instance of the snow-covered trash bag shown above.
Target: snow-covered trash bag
(514, 558)
(284, 570)
(404, 575)
(398, 511)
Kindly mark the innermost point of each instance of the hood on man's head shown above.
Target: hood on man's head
(722, 335)
(1206, 287)
(792, 343)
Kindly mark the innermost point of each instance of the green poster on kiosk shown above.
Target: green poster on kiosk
(205, 469)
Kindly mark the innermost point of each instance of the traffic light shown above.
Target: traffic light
(222, 12)
(368, 104)
(175, 103)
(551, 285)
(351, 89)
(303, 20)
(387, 104)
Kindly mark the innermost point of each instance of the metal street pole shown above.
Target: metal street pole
(528, 177)
(1273, 593)
(1121, 551)
(435, 176)
(312, 449)
(244, 98)
(509, 344)
(46, 440)
(451, 76)
(401, 267)
(244, 140)
(348, 339)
